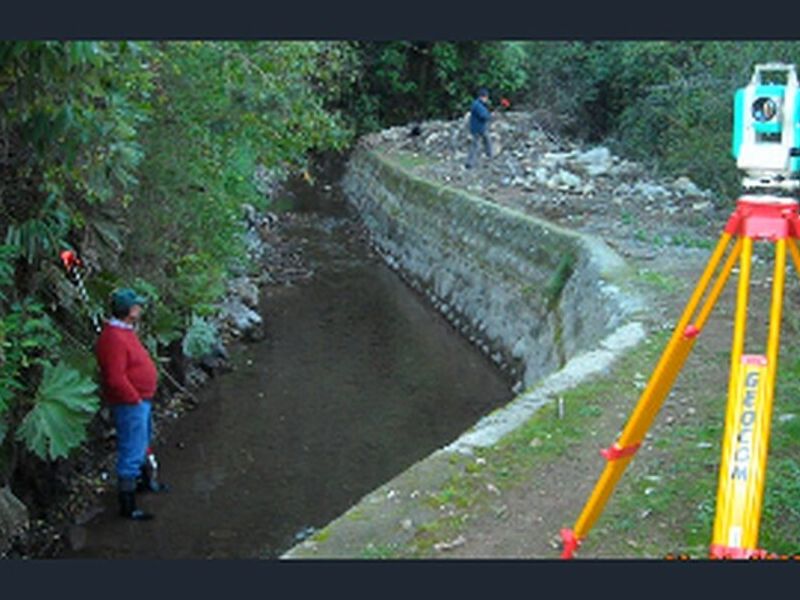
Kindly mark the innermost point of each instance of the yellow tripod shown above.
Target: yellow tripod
(750, 390)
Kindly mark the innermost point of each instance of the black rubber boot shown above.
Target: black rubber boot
(127, 508)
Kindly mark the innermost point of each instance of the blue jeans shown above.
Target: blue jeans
(134, 428)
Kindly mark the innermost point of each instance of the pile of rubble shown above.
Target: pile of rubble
(535, 170)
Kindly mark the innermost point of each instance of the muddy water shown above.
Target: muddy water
(356, 379)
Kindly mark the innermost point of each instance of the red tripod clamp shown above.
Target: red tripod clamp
(720, 552)
(571, 543)
(615, 452)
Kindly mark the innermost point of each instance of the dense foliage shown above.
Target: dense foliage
(140, 156)
(411, 81)
(667, 103)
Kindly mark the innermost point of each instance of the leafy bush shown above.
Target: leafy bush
(260, 103)
(27, 340)
(64, 404)
(200, 338)
(402, 81)
(63, 400)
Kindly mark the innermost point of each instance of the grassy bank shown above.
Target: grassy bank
(664, 503)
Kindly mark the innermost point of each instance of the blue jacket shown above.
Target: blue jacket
(479, 117)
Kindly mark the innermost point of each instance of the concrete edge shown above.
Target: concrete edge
(491, 428)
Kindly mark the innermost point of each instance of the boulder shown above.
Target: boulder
(686, 187)
(254, 244)
(565, 180)
(556, 159)
(651, 191)
(13, 518)
(597, 161)
(244, 289)
(250, 215)
(541, 175)
(215, 360)
(242, 319)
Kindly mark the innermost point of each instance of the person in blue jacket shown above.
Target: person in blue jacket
(478, 126)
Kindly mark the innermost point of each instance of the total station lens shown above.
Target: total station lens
(764, 109)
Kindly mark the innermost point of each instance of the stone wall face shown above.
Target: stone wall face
(530, 293)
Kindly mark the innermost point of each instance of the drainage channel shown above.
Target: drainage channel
(357, 379)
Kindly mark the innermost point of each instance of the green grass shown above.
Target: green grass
(543, 438)
(665, 502)
(379, 552)
(322, 535)
(409, 160)
(626, 217)
(685, 240)
(690, 241)
(684, 498)
(660, 281)
(356, 515)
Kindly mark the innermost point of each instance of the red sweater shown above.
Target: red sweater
(127, 373)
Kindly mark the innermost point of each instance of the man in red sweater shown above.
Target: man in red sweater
(128, 379)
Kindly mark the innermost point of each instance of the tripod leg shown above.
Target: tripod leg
(664, 374)
(795, 253)
(742, 471)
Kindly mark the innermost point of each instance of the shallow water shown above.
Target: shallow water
(356, 379)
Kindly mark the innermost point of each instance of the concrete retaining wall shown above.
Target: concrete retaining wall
(531, 293)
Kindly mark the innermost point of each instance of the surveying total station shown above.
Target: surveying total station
(765, 137)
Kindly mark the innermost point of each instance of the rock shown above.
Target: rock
(596, 161)
(444, 546)
(215, 360)
(686, 187)
(250, 215)
(254, 244)
(624, 168)
(556, 159)
(651, 191)
(244, 289)
(565, 180)
(13, 517)
(541, 175)
(241, 318)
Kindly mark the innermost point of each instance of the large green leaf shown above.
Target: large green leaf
(65, 403)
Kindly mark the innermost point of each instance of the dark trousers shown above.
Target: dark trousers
(473, 147)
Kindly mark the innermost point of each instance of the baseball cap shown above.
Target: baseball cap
(124, 298)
